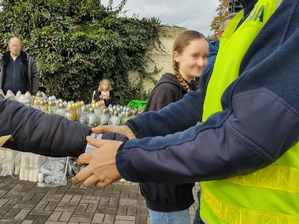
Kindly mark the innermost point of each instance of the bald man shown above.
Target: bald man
(18, 71)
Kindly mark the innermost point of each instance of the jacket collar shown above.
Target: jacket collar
(23, 54)
(247, 5)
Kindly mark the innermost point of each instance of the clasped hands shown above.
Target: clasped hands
(101, 169)
(104, 97)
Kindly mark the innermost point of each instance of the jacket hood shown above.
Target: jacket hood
(172, 79)
(213, 47)
(169, 78)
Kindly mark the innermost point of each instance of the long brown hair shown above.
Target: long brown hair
(182, 41)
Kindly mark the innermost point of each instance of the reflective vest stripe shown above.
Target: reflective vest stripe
(279, 178)
(233, 214)
(269, 195)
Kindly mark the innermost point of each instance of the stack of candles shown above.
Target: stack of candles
(28, 169)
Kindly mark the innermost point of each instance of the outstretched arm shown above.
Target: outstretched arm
(46, 134)
(173, 118)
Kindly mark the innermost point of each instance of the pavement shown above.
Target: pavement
(22, 202)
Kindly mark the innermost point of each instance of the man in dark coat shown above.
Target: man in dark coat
(18, 71)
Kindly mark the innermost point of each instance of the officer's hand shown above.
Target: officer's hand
(101, 169)
(123, 129)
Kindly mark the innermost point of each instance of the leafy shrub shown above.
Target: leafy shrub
(76, 43)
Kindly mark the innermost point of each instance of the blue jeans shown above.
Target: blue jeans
(177, 217)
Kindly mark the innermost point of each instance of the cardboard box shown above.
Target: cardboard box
(3, 139)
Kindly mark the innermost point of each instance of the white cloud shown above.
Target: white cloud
(192, 14)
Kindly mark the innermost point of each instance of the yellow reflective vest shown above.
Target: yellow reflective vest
(270, 195)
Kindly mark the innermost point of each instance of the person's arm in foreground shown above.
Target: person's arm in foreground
(259, 122)
(46, 134)
(173, 118)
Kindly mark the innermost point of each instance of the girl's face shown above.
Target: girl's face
(193, 60)
(104, 86)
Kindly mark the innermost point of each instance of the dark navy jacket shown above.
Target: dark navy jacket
(259, 121)
(15, 80)
(29, 72)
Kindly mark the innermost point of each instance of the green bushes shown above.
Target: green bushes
(76, 43)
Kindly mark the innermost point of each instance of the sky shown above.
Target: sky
(191, 14)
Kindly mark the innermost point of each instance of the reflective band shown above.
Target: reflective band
(279, 178)
(234, 214)
(278, 182)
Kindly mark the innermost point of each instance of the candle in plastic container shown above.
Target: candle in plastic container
(40, 177)
(36, 161)
(22, 174)
(7, 152)
(32, 160)
(35, 175)
(3, 152)
(10, 154)
(26, 176)
(17, 170)
(25, 160)
(31, 175)
(22, 162)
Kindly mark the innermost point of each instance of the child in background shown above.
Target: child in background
(105, 92)
(169, 204)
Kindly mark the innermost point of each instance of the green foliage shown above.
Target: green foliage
(76, 43)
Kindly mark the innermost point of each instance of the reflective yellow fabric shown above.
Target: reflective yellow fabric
(270, 195)
(273, 177)
(233, 46)
(281, 175)
(233, 214)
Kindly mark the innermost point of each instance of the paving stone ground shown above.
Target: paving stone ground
(22, 202)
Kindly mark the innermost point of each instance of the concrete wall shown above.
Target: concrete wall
(162, 60)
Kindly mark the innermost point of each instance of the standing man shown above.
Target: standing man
(18, 70)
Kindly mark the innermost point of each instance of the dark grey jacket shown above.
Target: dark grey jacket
(30, 72)
(37, 132)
